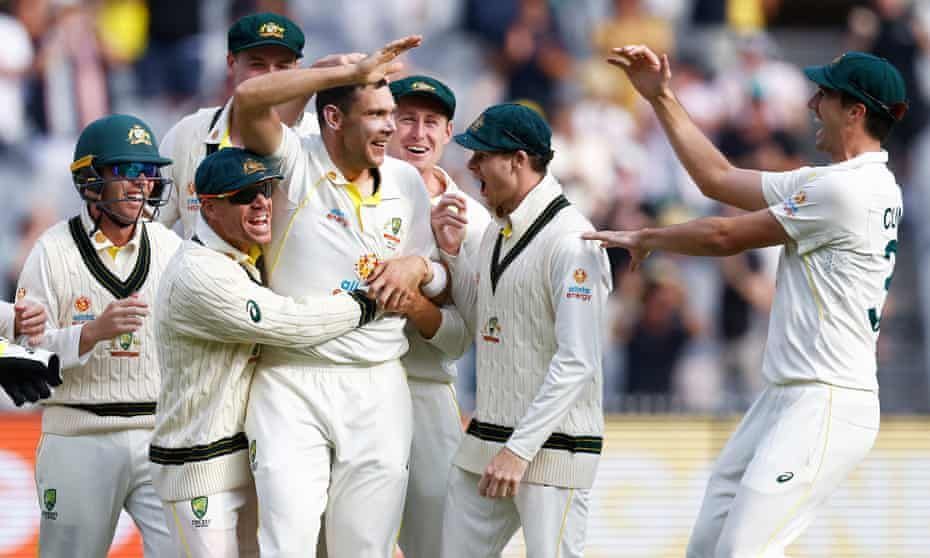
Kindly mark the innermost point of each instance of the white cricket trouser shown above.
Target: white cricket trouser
(221, 525)
(437, 432)
(329, 439)
(553, 519)
(83, 484)
(790, 452)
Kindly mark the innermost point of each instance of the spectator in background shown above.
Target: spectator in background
(630, 23)
(532, 59)
(170, 69)
(69, 87)
(661, 333)
(15, 62)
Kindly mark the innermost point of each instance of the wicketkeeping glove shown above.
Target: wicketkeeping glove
(27, 374)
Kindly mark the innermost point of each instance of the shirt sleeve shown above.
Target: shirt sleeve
(220, 303)
(6, 320)
(453, 336)
(287, 157)
(464, 288)
(817, 212)
(61, 339)
(580, 284)
(169, 214)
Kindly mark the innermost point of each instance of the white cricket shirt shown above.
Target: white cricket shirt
(327, 238)
(834, 275)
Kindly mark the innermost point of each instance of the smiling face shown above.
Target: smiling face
(259, 60)
(131, 193)
(364, 131)
(242, 226)
(423, 131)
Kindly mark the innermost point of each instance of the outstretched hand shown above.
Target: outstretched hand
(381, 64)
(631, 241)
(649, 73)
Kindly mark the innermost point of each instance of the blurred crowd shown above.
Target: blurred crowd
(687, 334)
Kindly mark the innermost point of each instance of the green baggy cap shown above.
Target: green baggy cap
(265, 29)
(508, 127)
(868, 78)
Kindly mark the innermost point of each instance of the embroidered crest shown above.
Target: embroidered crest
(491, 331)
(271, 29)
(138, 134)
(580, 276)
(82, 304)
(422, 86)
(251, 166)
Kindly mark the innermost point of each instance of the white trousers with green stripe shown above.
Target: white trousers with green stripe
(791, 451)
(553, 519)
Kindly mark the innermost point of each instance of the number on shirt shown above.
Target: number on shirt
(875, 313)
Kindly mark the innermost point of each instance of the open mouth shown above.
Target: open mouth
(417, 149)
(259, 221)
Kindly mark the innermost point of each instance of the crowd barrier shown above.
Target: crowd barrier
(647, 494)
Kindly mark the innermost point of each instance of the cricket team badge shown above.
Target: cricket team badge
(138, 134)
(49, 499)
(491, 331)
(391, 232)
(126, 345)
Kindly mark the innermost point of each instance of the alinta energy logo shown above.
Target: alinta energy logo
(579, 291)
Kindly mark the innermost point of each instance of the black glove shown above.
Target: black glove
(368, 306)
(27, 374)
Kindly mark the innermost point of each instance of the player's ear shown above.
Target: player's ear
(332, 116)
(519, 160)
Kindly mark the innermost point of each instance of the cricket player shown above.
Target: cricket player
(425, 108)
(342, 209)
(212, 317)
(95, 275)
(257, 44)
(529, 456)
(838, 225)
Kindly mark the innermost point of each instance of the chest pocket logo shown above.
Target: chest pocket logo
(391, 232)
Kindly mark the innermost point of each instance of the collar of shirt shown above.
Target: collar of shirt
(386, 189)
(514, 225)
(220, 130)
(867, 158)
(101, 242)
(213, 241)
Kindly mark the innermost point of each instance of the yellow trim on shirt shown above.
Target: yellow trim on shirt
(290, 224)
(507, 231)
(113, 251)
(358, 201)
(568, 505)
(177, 523)
(225, 141)
(255, 252)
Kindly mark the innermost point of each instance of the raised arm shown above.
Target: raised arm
(711, 171)
(260, 127)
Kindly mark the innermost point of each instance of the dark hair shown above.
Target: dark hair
(539, 163)
(877, 125)
(342, 97)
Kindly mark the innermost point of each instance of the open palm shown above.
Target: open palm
(649, 73)
(381, 63)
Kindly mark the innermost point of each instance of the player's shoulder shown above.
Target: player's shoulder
(162, 237)
(197, 121)
(403, 176)
(56, 235)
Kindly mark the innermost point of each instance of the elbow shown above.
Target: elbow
(713, 181)
(244, 97)
(722, 240)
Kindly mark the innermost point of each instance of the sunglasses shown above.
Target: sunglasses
(246, 195)
(134, 170)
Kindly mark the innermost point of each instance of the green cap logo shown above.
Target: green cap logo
(271, 29)
(199, 506)
(254, 312)
(138, 134)
(50, 497)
